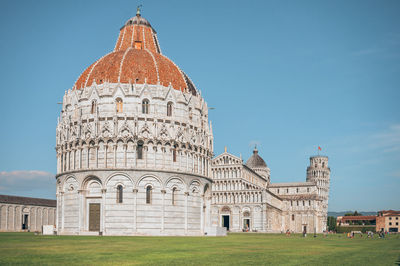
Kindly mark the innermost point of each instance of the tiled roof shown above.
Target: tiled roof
(27, 201)
(255, 161)
(136, 59)
(359, 218)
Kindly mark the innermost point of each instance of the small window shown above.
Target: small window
(291, 203)
(397, 218)
(297, 202)
(297, 190)
(119, 105)
(190, 113)
(174, 155)
(323, 164)
(119, 194)
(287, 190)
(278, 191)
(292, 217)
(148, 195)
(390, 223)
(169, 108)
(138, 45)
(308, 189)
(390, 218)
(397, 223)
(145, 106)
(303, 203)
(309, 203)
(93, 109)
(140, 150)
(174, 196)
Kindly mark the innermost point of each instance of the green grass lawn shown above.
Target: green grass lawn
(250, 249)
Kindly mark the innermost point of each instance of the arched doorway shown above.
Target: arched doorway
(93, 196)
(225, 217)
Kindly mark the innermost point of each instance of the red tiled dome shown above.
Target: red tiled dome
(136, 58)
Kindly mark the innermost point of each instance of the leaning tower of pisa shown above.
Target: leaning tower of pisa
(319, 172)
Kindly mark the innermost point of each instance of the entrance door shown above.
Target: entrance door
(225, 221)
(25, 222)
(246, 224)
(94, 216)
(305, 229)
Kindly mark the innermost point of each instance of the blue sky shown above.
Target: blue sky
(287, 75)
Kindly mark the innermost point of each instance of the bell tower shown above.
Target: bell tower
(319, 172)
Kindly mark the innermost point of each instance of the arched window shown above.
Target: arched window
(323, 164)
(292, 217)
(145, 106)
(93, 109)
(174, 155)
(174, 196)
(139, 150)
(119, 105)
(169, 108)
(119, 194)
(148, 195)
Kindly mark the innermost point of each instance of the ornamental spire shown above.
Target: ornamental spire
(138, 10)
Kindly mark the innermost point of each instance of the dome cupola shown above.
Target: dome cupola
(255, 161)
(258, 165)
(136, 59)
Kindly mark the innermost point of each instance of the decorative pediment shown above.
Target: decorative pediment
(163, 132)
(125, 130)
(106, 131)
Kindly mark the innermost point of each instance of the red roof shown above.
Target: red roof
(136, 59)
(359, 218)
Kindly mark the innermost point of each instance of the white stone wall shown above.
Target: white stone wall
(92, 134)
(187, 215)
(11, 217)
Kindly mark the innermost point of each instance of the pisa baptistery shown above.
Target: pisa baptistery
(134, 145)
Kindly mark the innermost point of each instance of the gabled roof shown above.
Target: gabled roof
(27, 201)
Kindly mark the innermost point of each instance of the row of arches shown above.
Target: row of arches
(133, 204)
(231, 172)
(20, 217)
(233, 185)
(130, 154)
(236, 197)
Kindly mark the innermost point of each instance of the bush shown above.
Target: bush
(346, 229)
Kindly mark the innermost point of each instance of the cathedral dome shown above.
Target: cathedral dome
(255, 161)
(136, 58)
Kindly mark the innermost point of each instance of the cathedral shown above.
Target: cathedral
(135, 156)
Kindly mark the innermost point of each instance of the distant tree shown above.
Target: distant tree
(353, 214)
(331, 223)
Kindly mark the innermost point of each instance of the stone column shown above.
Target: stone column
(62, 211)
(186, 211)
(135, 191)
(80, 210)
(125, 155)
(134, 155)
(97, 156)
(105, 154)
(163, 191)
(5, 206)
(202, 209)
(103, 210)
(115, 155)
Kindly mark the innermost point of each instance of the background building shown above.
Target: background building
(244, 199)
(26, 214)
(388, 221)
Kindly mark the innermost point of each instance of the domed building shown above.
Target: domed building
(134, 145)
